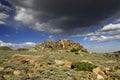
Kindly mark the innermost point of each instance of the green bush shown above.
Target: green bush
(117, 67)
(83, 66)
(74, 50)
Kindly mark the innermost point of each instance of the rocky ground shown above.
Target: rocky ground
(68, 61)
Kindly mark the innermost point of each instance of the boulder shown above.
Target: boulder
(59, 62)
(98, 70)
(68, 63)
(100, 77)
(1, 68)
(6, 77)
(17, 72)
(65, 63)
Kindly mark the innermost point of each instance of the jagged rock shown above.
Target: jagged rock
(59, 45)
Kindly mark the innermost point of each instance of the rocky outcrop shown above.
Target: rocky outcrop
(59, 45)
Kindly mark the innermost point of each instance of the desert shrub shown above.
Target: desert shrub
(13, 64)
(115, 75)
(76, 53)
(83, 66)
(35, 76)
(84, 50)
(117, 67)
(74, 50)
(24, 77)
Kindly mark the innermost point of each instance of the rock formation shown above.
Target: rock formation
(59, 45)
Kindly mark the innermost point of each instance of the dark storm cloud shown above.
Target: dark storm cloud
(69, 15)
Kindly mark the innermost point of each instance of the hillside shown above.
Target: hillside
(60, 60)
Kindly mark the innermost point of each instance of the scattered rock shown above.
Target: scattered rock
(25, 58)
(68, 63)
(17, 72)
(6, 77)
(96, 70)
(65, 63)
(87, 61)
(59, 62)
(9, 70)
(44, 64)
(100, 77)
(1, 68)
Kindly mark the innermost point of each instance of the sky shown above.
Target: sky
(93, 23)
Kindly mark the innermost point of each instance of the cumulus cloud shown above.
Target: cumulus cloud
(65, 16)
(1, 22)
(24, 16)
(3, 17)
(109, 32)
(16, 46)
(111, 27)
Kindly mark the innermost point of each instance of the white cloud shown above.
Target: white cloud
(3, 17)
(111, 27)
(15, 46)
(24, 15)
(46, 27)
(104, 38)
(109, 32)
(27, 16)
(85, 38)
(1, 22)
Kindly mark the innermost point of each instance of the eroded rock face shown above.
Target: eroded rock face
(59, 45)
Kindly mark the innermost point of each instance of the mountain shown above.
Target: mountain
(5, 48)
(113, 55)
(117, 52)
(63, 44)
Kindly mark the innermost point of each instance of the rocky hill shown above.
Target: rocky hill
(59, 45)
